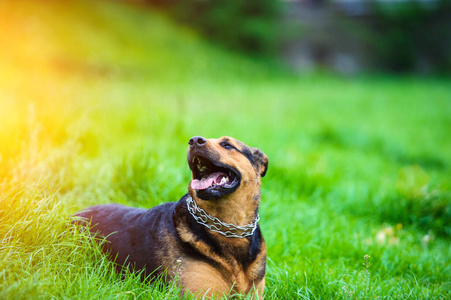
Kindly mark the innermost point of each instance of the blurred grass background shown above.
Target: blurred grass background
(98, 100)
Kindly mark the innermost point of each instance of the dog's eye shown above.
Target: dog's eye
(226, 145)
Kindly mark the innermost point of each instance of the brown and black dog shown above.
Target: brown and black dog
(210, 239)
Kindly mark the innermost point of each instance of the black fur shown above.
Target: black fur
(134, 235)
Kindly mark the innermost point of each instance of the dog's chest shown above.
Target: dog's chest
(200, 276)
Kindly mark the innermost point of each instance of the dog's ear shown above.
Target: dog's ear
(261, 161)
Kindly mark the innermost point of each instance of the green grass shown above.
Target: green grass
(99, 99)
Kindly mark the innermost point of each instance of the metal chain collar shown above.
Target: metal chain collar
(228, 230)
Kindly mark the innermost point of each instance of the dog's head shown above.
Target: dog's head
(222, 166)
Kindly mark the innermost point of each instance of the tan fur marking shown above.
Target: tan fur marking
(202, 279)
(187, 236)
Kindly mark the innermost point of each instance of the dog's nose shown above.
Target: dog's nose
(197, 141)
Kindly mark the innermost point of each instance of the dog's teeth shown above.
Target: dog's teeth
(224, 180)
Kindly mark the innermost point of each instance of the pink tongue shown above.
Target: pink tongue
(205, 183)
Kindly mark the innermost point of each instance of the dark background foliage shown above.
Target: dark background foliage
(407, 36)
(246, 25)
(411, 36)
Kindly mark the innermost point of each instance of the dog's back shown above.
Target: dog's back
(132, 233)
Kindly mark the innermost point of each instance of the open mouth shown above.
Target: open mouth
(212, 180)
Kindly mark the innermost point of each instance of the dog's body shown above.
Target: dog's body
(209, 240)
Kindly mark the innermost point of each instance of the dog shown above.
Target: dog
(209, 240)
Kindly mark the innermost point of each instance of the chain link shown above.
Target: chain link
(228, 230)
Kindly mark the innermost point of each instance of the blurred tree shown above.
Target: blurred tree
(411, 36)
(248, 25)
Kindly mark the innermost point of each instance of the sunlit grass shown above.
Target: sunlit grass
(98, 100)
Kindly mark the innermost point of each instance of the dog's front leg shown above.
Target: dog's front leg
(203, 281)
